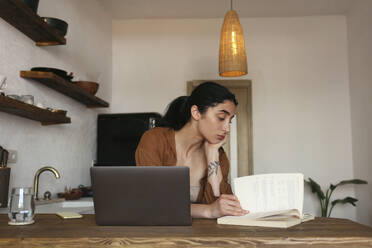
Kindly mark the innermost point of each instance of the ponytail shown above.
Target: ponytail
(178, 113)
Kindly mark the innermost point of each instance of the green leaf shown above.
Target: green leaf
(315, 188)
(332, 187)
(352, 181)
(350, 200)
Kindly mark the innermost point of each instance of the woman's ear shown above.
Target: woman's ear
(195, 114)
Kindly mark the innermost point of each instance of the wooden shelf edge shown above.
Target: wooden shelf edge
(65, 87)
(28, 111)
(20, 16)
(46, 123)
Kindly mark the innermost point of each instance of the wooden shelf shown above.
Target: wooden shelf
(32, 112)
(65, 87)
(19, 15)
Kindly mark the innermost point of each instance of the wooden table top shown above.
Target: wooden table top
(51, 231)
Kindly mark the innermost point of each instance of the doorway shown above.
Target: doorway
(239, 147)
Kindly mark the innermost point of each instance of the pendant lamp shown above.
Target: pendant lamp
(232, 59)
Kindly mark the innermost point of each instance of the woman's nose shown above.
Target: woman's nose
(226, 127)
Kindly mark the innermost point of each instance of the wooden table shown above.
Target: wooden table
(51, 231)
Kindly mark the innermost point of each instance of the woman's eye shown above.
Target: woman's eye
(221, 119)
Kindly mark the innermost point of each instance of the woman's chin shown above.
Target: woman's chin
(213, 141)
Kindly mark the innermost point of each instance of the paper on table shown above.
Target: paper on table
(69, 215)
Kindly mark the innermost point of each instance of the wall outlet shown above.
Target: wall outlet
(13, 156)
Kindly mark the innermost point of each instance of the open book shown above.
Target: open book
(273, 200)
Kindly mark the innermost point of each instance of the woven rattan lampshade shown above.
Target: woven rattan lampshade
(233, 59)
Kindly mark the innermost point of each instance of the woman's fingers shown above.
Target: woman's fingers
(226, 205)
(232, 205)
(229, 210)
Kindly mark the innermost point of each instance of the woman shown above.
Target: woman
(191, 134)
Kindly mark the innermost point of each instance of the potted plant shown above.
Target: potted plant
(324, 199)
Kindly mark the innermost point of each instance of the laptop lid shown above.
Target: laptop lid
(141, 195)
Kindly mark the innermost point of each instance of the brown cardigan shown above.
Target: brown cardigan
(158, 148)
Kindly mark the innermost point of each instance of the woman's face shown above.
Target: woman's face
(214, 124)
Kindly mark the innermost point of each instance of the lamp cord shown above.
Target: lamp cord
(231, 4)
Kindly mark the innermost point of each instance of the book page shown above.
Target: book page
(270, 193)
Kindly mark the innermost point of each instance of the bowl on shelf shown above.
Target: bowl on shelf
(32, 4)
(88, 86)
(60, 25)
(59, 111)
(56, 71)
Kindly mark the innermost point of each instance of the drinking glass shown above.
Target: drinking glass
(21, 206)
(2, 84)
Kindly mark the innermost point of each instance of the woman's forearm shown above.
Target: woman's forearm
(214, 172)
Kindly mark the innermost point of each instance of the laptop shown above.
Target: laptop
(141, 195)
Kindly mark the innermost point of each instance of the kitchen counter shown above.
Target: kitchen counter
(52, 231)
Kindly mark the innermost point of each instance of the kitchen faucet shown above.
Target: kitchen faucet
(36, 178)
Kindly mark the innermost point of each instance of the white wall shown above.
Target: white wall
(69, 148)
(299, 70)
(360, 64)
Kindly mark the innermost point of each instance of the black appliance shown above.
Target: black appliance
(119, 134)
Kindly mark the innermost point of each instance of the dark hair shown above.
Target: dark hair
(206, 95)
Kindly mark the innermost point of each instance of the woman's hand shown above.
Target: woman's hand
(208, 145)
(212, 149)
(226, 205)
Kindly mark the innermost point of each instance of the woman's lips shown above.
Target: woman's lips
(221, 137)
